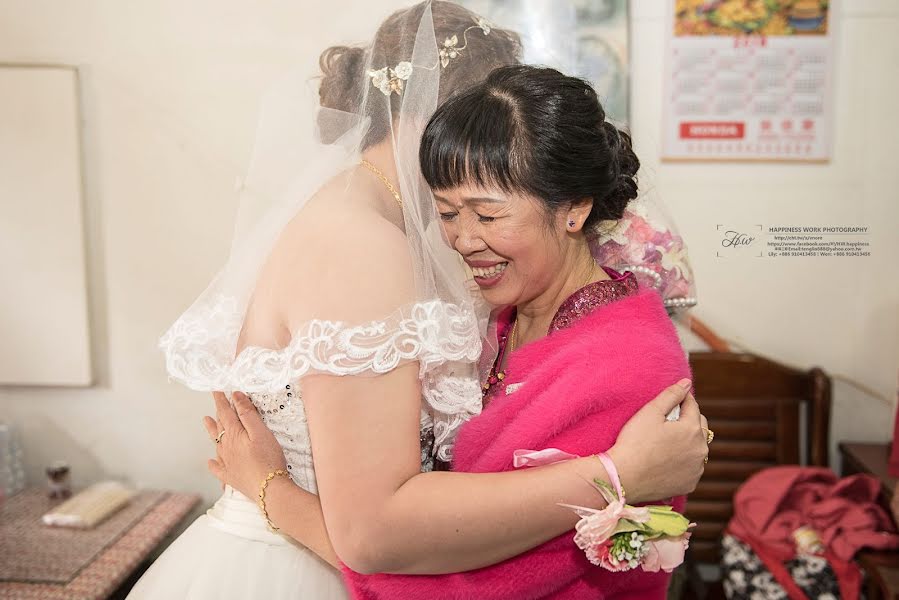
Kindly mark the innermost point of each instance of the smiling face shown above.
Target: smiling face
(522, 165)
(516, 251)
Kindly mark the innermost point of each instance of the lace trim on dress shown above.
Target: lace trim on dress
(199, 352)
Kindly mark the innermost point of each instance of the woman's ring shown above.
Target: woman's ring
(218, 440)
(709, 436)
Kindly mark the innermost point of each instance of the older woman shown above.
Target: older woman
(522, 167)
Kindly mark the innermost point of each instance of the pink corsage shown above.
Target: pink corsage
(621, 537)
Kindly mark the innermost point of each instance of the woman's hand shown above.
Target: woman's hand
(247, 450)
(657, 458)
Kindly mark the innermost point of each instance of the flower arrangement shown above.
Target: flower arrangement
(642, 242)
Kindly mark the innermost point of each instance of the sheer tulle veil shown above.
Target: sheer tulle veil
(303, 190)
(300, 235)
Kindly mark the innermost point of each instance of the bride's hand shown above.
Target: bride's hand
(247, 450)
(657, 458)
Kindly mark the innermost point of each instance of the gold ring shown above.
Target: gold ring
(709, 436)
(218, 440)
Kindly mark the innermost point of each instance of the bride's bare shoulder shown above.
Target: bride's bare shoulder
(346, 215)
(341, 245)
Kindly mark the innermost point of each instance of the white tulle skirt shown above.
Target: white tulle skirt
(230, 554)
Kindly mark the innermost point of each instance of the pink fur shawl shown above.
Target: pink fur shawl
(579, 387)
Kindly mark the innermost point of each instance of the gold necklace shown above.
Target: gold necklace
(513, 336)
(383, 178)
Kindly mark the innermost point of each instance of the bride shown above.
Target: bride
(352, 327)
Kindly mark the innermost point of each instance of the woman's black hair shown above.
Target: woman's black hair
(533, 130)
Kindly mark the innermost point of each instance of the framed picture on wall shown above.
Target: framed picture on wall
(586, 38)
(44, 304)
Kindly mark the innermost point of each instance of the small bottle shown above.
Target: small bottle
(59, 484)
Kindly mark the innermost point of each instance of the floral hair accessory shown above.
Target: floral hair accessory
(390, 81)
(620, 537)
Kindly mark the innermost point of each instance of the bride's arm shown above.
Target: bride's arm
(298, 514)
(380, 512)
(250, 451)
(246, 456)
(383, 515)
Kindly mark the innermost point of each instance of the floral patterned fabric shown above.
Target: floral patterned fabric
(746, 577)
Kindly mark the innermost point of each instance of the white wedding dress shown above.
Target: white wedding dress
(229, 553)
(306, 215)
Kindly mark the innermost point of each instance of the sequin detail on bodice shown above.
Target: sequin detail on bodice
(284, 413)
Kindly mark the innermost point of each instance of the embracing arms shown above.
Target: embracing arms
(382, 515)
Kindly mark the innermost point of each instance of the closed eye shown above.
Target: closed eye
(484, 219)
(447, 216)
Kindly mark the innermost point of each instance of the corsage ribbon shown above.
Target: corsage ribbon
(620, 537)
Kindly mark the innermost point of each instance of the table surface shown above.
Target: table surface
(873, 459)
(883, 567)
(117, 561)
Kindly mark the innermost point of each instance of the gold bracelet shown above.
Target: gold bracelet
(262, 487)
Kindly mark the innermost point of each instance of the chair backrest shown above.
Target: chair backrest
(754, 406)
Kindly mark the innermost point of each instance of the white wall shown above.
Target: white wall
(841, 313)
(169, 92)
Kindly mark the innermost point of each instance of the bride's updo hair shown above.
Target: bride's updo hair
(346, 86)
(537, 131)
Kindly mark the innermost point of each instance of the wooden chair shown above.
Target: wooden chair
(755, 407)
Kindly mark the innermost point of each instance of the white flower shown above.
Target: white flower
(403, 70)
(378, 77)
(484, 24)
(675, 260)
(391, 80)
(449, 50)
(380, 80)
